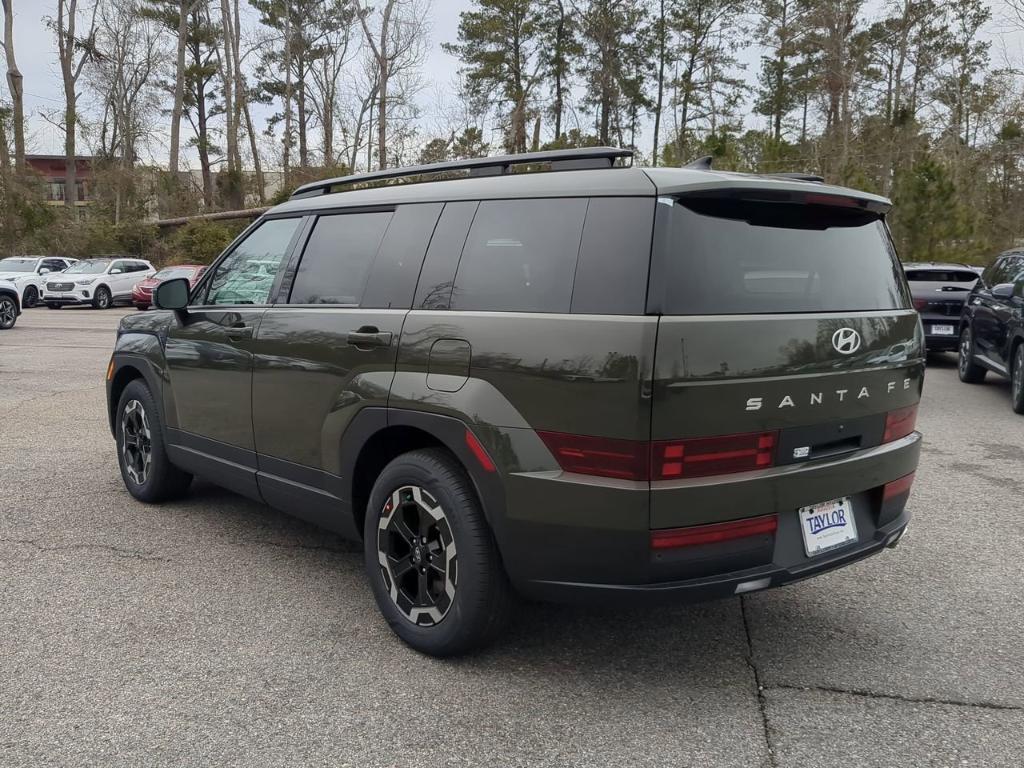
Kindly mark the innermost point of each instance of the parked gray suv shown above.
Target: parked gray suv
(556, 375)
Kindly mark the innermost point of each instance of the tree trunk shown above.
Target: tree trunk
(66, 48)
(558, 106)
(204, 146)
(184, 10)
(286, 157)
(16, 85)
(228, 78)
(300, 104)
(662, 31)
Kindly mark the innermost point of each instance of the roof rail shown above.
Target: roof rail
(559, 160)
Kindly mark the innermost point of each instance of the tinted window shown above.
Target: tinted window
(435, 284)
(611, 276)
(337, 258)
(940, 276)
(520, 256)
(741, 257)
(394, 273)
(247, 274)
(53, 264)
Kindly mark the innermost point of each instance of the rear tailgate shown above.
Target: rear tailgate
(787, 335)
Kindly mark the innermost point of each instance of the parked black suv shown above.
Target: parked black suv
(992, 328)
(586, 382)
(939, 292)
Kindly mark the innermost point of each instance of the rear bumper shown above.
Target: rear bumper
(720, 585)
(936, 342)
(589, 542)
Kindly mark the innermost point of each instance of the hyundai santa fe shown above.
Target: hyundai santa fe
(551, 374)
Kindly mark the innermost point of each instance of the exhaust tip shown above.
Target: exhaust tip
(752, 586)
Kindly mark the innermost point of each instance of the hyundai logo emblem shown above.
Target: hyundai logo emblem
(846, 341)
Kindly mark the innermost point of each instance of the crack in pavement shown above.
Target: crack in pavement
(126, 553)
(761, 701)
(897, 697)
(286, 545)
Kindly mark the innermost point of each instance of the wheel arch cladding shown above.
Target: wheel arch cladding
(124, 374)
(377, 443)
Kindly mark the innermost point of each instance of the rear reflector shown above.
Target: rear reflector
(703, 456)
(897, 487)
(920, 304)
(478, 450)
(600, 456)
(899, 423)
(673, 538)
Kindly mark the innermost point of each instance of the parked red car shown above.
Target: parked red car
(142, 293)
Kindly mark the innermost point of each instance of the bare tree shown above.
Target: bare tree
(396, 42)
(74, 52)
(15, 84)
(185, 10)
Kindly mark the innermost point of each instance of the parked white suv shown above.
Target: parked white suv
(28, 274)
(99, 282)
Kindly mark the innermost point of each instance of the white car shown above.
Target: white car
(28, 274)
(98, 282)
(10, 305)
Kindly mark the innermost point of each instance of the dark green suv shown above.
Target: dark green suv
(555, 374)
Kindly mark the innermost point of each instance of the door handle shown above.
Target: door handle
(237, 332)
(369, 336)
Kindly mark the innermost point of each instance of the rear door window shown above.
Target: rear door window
(520, 256)
(729, 257)
(337, 259)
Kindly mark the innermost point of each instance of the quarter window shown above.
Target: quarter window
(247, 274)
(520, 256)
(337, 259)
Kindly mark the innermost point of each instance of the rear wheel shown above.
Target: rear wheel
(970, 372)
(31, 297)
(102, 298)
(147, 473)
(431, 558)
(8, 313)
(1017, 379)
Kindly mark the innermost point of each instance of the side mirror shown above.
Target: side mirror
(45, 271)
(115, 271)
(1003, 291)
(172, 294)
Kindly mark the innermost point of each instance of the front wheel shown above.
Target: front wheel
(431, 558)
(147, 473)
(970, 372)
(1017, 379)
(31, 297)
(52, 306)
(102, 299)
(8, 313)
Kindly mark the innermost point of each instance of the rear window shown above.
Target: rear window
(940, 276)
(727, 256)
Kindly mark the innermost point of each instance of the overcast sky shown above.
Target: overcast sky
(37, 59)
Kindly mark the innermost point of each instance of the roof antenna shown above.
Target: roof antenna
(700, 164)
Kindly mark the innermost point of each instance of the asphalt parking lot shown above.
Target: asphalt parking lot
(215, 631)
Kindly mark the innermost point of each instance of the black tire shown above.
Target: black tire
(8, 312)
(53, 306)
(159, 480)
(31, 297)
(102, 298)
(1017, 379)
(479, 604)
(970, 372)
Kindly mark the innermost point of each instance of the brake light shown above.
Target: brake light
(920, 304)
(601, 456)
(897, 487)
(672, 538)
(899, 423)
(703, 456)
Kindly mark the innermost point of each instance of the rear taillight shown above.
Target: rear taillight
(672, 538)
(703, 456)
(662, 460)
(899, 423)
(601, 456)
(920, 304)
(897, 487)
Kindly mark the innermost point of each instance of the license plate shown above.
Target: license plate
(827, 525)
(942, 330)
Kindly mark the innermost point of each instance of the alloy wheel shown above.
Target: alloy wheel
(136, 442)
(1018, 377)
(417, 556)
(102, 298)
(31, 297)
(8, 312)
(965, 351)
